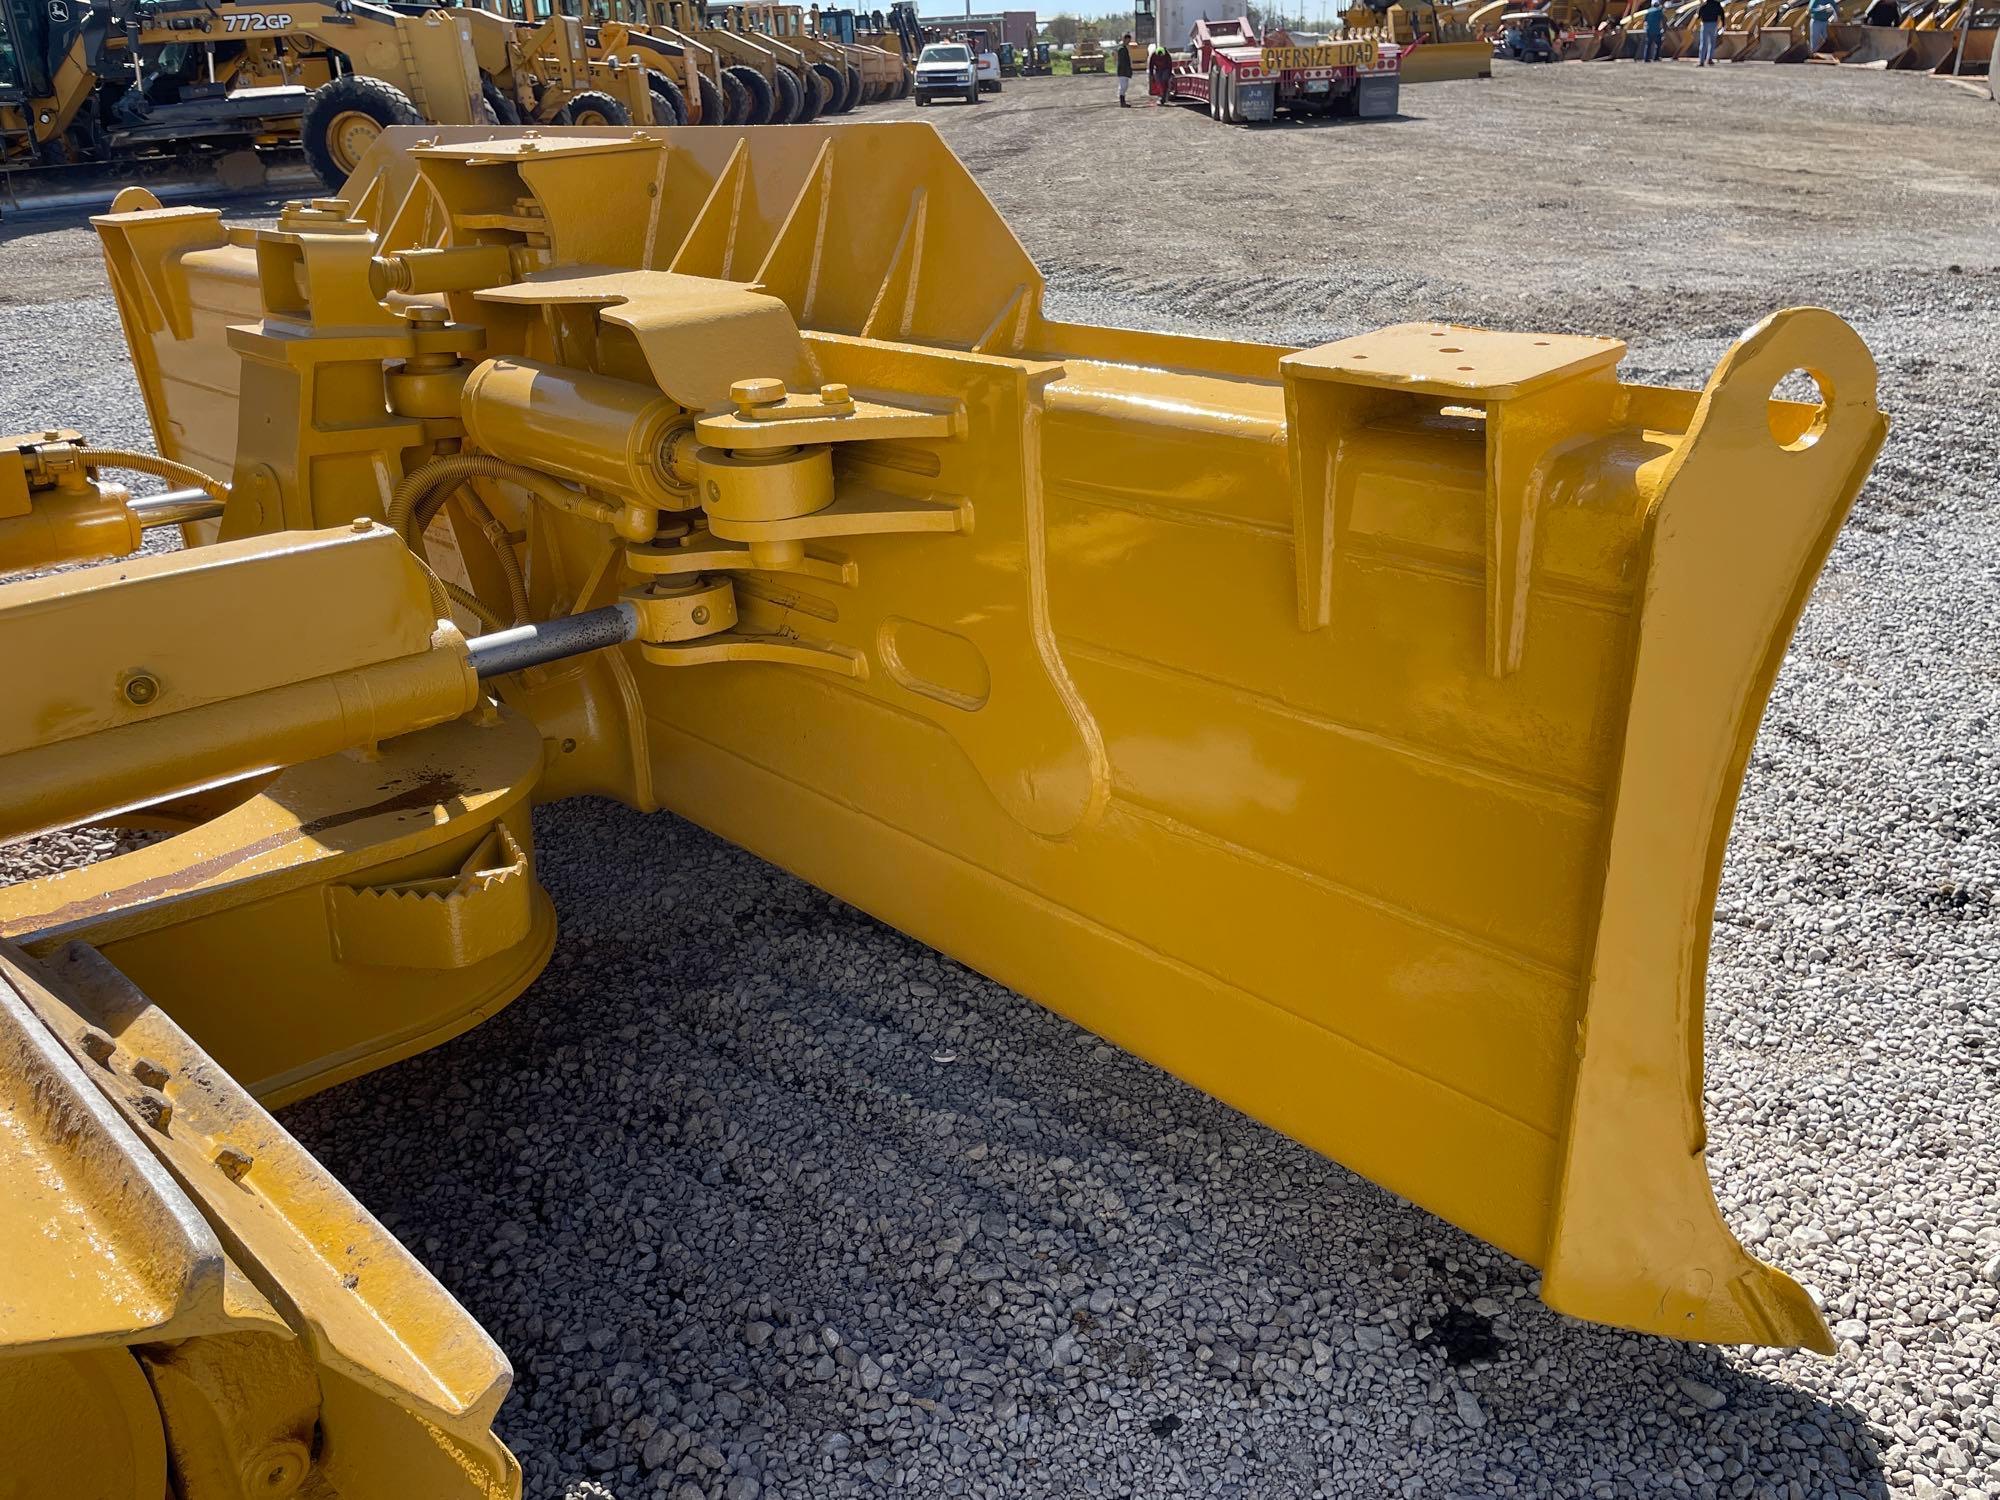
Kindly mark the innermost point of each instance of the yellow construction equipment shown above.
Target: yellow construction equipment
(1353, 731)
(325, 75)
(1437, 42)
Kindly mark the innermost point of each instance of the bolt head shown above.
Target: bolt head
(150, 1073)
(834, 394)
(141, 688)
(752, 394)
(96, 1045)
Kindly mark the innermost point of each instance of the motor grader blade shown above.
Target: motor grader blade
(1353, 731)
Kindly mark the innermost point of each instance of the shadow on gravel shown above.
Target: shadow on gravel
(763, 1197)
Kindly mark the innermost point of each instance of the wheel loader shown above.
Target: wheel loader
(1352, 731)
(838, 67)
(793, 53)
(883, 47)
(761, 81)
(711, 97)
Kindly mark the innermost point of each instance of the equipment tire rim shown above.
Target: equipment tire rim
(349, 134)
(588, 117)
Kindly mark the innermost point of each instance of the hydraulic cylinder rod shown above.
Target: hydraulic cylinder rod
(551, 640)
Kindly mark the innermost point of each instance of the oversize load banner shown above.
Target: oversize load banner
(1355, 54)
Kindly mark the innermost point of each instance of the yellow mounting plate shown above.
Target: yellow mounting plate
(1441, 360)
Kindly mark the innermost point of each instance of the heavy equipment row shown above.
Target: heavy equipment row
(1353, 731)
(179, 83)
(1951, 38)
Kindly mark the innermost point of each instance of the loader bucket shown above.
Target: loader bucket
(1436, 62)
(1775, 44)
(1859, 46)
(1970, 54)
(1928, 52)
(1352, 731)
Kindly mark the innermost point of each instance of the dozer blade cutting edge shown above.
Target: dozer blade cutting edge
(1353, 731)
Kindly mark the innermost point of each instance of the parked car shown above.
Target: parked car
(945, 70)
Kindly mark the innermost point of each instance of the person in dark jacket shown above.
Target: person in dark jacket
(1159, 75)
(1710, 17)
(1124, 69)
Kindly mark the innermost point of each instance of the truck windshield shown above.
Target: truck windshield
(944, 54)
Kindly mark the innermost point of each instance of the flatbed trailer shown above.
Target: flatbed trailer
(1244, 78)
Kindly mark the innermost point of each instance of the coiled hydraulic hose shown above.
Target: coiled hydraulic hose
(420, 494)
(160, 468)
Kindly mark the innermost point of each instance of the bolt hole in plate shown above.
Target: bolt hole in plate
(1795, 427)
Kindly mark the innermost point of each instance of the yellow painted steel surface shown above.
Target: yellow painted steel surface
(316, 1348)
(1353, 731)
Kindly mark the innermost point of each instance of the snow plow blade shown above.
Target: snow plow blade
(1352, 731)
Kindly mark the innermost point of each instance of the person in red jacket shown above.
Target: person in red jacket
(1159, 72)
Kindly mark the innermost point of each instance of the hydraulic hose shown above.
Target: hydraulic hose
(423, 491)
(159, 468)
(449, 472)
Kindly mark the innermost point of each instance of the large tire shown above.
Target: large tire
(714, 108)
(834, 82)
(736, 99)
(505, 111)
(1215, 93)
(856, 94)
(818, 95)
(670, 106)
(593, 107)
(757, 88)
(905, 81)
(788, 97)
(344, 117)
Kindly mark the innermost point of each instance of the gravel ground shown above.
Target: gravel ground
(764, 1198)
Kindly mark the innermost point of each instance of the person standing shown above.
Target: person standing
(1710, 17)
(1159, 75)
(1821, 14)
(1656, 29)
(1124, 69)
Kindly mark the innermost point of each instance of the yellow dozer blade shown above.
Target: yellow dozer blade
(1353, 731)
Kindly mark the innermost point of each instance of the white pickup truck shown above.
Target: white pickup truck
(945, 70)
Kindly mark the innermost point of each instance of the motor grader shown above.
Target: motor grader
(130, 81)
(327, 76)
(775, 499)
